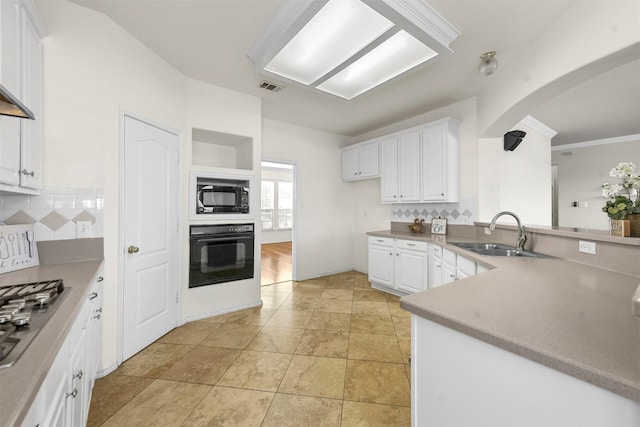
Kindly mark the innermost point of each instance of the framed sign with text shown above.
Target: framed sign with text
(439, 226)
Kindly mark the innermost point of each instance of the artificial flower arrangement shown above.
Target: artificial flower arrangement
(624, 198)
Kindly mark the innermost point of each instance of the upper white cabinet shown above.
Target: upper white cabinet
(21, 72)
(10, 79)
(421, 164)
(440, 162)
(389, 169)
(360, 161)
(32, 95)
(400, 171)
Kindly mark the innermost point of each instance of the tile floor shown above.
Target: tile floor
(323, 352)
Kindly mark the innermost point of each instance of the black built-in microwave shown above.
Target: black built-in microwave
(222, 196)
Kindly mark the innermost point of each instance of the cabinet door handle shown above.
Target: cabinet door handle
(93, 295)
(99, 310)
(378, 240)
(411, 244)
(78, 375)
(24, 172)
(99, 279)
(97, 316)
(73, 394)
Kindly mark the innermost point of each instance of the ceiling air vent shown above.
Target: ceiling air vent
(270, 86)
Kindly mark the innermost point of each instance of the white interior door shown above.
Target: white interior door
(150, 239)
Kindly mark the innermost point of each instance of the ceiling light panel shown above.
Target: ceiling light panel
(398, 54)
(347, 47)
(339, 30)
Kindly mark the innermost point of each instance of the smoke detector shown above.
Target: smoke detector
(270, 86)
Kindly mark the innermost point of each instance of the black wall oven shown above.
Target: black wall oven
(220, 253)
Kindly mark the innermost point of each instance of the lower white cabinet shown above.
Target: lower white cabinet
(435, 265)
(381, 260)
(411, 266)
(457, 380)
(405, 267)
(65, 394)
(398, 266)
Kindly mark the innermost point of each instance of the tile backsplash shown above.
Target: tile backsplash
(463, 212)
(55, 212)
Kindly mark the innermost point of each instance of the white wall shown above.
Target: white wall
(323, 224)
(218, 109)
(582, 170)
(580, 44)
(94, 70)
(518, 181)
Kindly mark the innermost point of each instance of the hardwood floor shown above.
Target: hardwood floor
(276, 263)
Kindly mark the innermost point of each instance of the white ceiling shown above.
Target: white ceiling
(207, 40)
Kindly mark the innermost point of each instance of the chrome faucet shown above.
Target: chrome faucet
(522, 238)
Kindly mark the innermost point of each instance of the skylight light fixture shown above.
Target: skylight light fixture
(348, 47)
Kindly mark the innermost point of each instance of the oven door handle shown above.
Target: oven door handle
(224, 239)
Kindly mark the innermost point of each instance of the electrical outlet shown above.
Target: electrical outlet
(587, 247)
(83, 229)
(487, 230)
(582, 204)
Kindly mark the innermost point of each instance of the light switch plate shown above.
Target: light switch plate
(587, 247)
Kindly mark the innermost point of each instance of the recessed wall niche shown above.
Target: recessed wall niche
(221, 150)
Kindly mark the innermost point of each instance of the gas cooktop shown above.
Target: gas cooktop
(24, 310)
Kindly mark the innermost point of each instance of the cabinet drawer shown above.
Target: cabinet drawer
(449, 257)
(466, 266)
(436, 250)
(413, 245)
(382, 241)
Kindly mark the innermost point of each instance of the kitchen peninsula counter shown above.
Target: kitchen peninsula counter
(572, 317)
(20, 383)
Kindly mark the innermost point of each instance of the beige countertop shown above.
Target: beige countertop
(571, 317)
(20, 383)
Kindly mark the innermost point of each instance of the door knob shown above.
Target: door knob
(133, 249)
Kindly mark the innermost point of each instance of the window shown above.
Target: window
(285, 204)
(276, 204)
(267, 204)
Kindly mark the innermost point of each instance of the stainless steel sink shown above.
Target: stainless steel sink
(496, 249)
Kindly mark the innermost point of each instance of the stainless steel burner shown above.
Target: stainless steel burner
(24, 310)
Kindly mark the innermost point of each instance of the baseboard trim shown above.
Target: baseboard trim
(224, 311)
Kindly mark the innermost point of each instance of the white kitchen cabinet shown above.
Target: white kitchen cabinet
(381, 260)
(401, 173)
(21, 72)
(65, 394)
(465, 267)
(10, 79)
(94, 334)
(360, 161)
(411, 266)
(435, 265)
(389, 170)
(398, 266)
(77, 392)
(461, 381)
(440, 161)
(32, 95)
(421, 164)
(449, 259)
